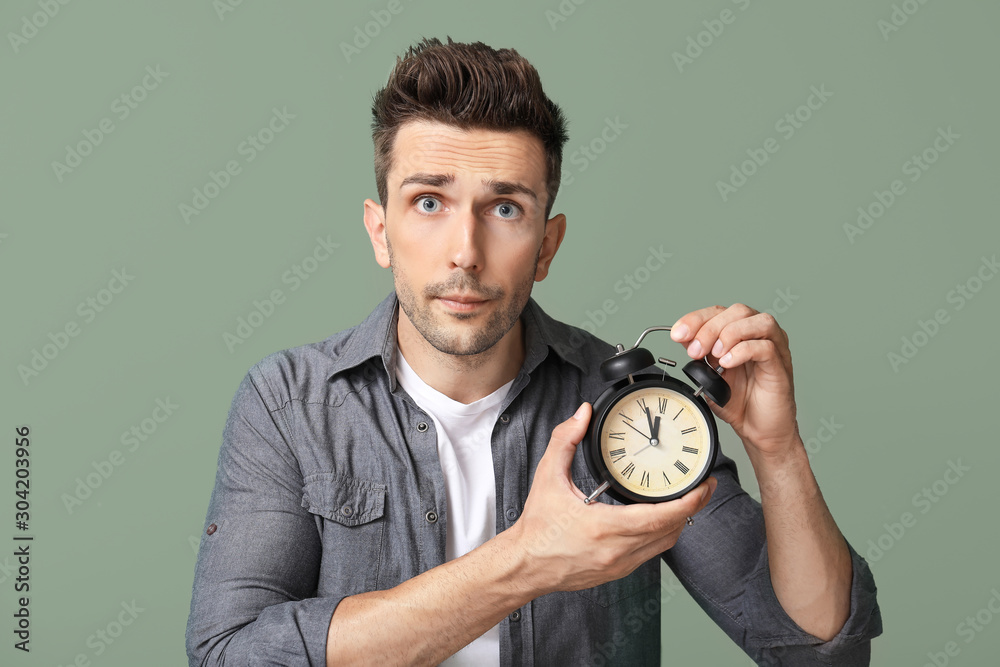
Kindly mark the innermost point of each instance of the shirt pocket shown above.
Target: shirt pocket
(350, 517)
(613, 592)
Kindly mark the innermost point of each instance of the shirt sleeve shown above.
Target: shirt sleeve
(253, 599)
(722, 561)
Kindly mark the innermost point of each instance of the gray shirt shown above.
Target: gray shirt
(329, 485)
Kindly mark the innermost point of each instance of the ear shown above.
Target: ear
(555, 229)
(375, 224)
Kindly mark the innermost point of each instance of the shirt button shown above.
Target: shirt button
(431, 517)
(422, 426)
(504, 418)
(211, 529)
(515, 615)
(511, 514)
(347, 510)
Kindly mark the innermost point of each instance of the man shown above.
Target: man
(411, 489)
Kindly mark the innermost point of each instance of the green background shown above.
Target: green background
(782, 232)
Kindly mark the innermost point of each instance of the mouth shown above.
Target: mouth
(462, 302)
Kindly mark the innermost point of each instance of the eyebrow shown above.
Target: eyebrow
(497, 187)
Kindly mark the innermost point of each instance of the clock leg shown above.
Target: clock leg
(598, 491)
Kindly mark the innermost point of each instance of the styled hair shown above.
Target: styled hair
(469, 86)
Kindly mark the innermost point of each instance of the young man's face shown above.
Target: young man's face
(464, 231)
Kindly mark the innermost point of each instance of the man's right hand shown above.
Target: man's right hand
(566, 545)
(558, 544)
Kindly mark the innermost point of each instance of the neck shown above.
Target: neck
(462, 378)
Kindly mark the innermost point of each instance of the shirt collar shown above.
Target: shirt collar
(375, 336)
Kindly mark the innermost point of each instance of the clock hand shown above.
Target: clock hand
(654, 429)
(637, 431)
(643, 449)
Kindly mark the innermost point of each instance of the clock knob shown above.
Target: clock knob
(711, 383)
(626, 363)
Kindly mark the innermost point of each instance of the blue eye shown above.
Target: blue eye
(429, 204)
(507, 210)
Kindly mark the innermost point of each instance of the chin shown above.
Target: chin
(465, 343)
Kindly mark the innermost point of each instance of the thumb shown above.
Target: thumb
(565, 438)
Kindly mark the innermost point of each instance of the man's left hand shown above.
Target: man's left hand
(754, 351)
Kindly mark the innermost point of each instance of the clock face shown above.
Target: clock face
(655, 442)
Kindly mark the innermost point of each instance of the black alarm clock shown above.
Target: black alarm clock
(652, 438)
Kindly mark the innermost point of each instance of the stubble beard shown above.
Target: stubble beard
(437, 333)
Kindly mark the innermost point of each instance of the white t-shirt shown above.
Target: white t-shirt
(464, 446)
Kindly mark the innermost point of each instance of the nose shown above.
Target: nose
(466, 241)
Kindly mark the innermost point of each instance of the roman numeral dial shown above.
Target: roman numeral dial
(655, 441)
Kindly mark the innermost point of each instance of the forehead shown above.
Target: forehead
(436, 148)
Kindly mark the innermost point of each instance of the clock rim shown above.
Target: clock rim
(602, 406)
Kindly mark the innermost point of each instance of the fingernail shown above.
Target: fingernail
(679, 333)
(726, 359)
(717, 348)
(578, 415)
(694, 349)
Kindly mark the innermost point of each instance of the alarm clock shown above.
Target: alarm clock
(652, 437)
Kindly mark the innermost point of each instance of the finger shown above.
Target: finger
(654, 549)
(667, 539)
(667, 516)
(687, 326)
(759, 326)
(709, 323)
(696, 499)
(566, 436)
(764, 352)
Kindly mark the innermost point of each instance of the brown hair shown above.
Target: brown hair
(470, 86)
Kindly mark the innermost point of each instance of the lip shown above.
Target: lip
(461, 302)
